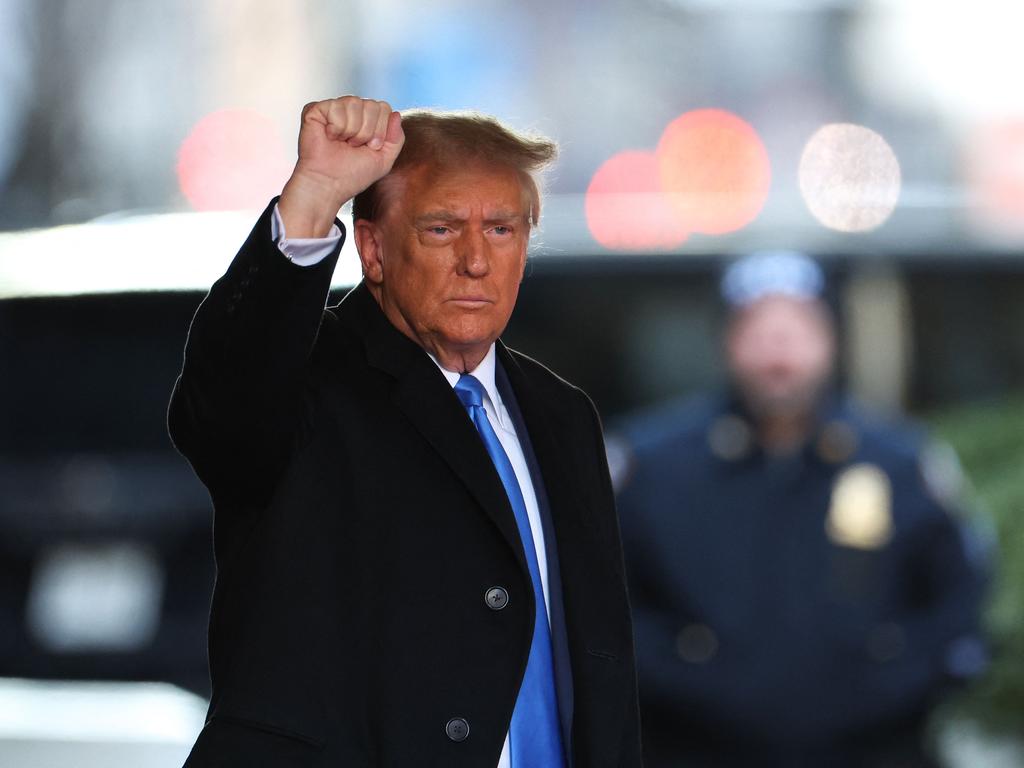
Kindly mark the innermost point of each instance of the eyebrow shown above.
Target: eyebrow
(449, 216)
(500, 216)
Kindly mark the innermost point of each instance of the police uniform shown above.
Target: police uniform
(797, 611)
(802, 610)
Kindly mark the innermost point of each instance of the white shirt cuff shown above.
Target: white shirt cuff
(304, 251)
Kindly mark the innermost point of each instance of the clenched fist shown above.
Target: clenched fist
(345, 145)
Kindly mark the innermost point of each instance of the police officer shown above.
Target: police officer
(803, 588)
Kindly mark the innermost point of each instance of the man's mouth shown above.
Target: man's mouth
(471, 302)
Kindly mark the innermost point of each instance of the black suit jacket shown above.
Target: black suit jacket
(358, 524)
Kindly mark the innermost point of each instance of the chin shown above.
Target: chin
(788, 402)
(472, 330)
(470, 341)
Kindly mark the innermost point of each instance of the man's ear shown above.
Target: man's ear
(369, 246)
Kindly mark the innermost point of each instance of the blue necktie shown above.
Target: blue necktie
(535, 736)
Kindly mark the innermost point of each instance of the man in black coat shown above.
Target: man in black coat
(406, 576)
(804, 588)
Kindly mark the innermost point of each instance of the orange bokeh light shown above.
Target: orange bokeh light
(715, 169)
(626, 208)
(232, 159)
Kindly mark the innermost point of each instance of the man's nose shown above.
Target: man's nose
(473, 257)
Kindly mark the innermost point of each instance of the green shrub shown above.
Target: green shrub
(989, 439)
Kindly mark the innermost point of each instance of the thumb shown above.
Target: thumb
(395, 136)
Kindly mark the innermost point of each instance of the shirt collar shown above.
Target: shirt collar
(484, 373)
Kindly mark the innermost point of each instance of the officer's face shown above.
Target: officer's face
(781, 353)
(450, 252)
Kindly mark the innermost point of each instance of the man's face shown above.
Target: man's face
(452, 249)
(780, 353)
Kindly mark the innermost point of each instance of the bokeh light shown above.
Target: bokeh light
(995, 173)
(232, 159)
(849, 177)
(626, 208)
(715, 169)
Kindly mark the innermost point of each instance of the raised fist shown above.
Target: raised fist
(345, 145)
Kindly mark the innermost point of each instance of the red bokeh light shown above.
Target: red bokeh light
(626, 208)
(995, 169)
(715, 170)
(232, 159)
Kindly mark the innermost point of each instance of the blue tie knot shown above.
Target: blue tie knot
(470, 391)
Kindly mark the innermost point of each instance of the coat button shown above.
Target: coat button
(496, 598)
(697, 643)
(457, 729)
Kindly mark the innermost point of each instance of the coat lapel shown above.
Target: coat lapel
(427, 400)
(566, 512)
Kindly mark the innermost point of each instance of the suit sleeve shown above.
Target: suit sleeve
(236, 403)
(948, 572)
(935, 640)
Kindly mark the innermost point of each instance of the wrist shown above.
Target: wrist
(310, 203)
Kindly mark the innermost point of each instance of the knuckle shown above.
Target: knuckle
(347, 105)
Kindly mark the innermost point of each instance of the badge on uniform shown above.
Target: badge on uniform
(860, 515)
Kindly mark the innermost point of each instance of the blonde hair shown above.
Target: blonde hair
(451, 139)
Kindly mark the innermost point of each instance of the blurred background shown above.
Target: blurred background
(137, 141)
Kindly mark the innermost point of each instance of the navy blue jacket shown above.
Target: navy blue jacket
(792, 611)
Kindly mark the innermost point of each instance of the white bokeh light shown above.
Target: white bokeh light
(849, 177)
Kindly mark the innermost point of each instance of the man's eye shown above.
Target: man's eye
(439, 230)
(501, 229)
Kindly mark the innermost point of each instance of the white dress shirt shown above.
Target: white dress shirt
(309, 251)
(304, 251)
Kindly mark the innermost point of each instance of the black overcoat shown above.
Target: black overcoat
(358, 524)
